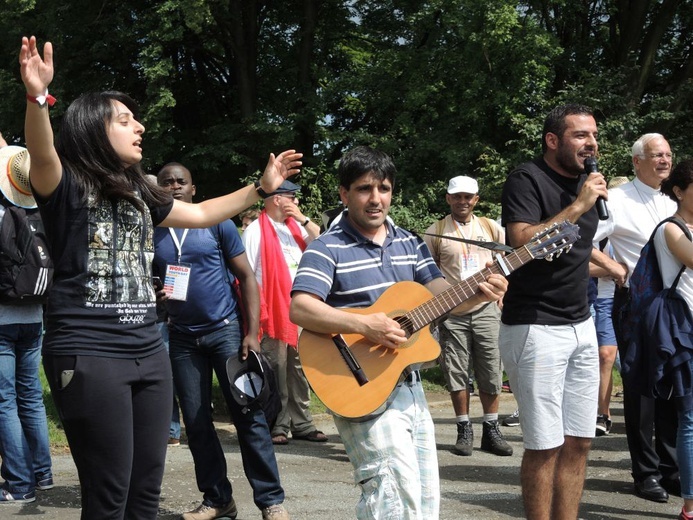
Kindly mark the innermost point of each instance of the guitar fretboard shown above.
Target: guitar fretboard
(444, 302)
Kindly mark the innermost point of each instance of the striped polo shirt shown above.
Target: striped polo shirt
(345, 269)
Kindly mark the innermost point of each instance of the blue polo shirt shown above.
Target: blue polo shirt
(211, 300)
(346, 269)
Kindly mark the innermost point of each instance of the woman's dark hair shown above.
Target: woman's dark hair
(85, 150)
(362, 160)
(680, 177)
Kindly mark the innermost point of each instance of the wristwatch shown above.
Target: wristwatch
(260, 191)
(305, 222)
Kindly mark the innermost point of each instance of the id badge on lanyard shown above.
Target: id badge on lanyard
(177, 274)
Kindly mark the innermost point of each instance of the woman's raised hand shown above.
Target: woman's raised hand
(37, 72)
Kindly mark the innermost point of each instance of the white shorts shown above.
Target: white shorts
(554, 373)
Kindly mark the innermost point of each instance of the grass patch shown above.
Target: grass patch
(56, 434)
(617, 385)
(432, 380)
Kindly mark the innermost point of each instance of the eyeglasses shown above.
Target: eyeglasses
(291, 196)
(659, 156)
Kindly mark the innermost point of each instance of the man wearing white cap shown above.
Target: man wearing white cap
(472, 336)
(26, 459)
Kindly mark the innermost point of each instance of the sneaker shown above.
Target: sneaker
(172, 441)
(205, 512)
(44, 484)
(465, 439)
(512, 420)
(492, 440)
(8, 498)
(603, 425)
(684, 515)
(275, 512)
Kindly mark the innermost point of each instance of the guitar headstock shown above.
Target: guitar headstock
(554, 240)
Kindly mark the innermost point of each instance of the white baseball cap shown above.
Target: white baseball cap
(463, 184)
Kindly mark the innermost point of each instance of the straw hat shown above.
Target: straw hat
(14, 176)
(617, 181)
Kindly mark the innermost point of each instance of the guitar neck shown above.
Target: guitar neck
(444, 302)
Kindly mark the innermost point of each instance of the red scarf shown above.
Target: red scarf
(276, 281)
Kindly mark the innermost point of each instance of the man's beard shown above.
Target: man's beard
(569, 163)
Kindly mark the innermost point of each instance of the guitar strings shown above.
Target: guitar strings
(425, 313)
(428, 311)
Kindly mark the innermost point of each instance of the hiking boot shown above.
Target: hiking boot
(205, 512)
(492, 440)
(275, 512)
(465, 439)
(603, 425)
(512, 420)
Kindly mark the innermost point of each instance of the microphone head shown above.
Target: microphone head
(591, 164)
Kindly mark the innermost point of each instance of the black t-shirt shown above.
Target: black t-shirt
(542, 292)
(102, 301)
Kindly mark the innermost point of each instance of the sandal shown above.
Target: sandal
(280, 439)
(314, 436)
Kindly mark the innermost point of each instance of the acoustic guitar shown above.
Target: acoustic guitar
(353, 377)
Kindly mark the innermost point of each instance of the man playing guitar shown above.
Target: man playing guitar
(393, 451)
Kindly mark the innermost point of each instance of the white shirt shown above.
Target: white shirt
(670, 266)
(635, 209)
(292, 253)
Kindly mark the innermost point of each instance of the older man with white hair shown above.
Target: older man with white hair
(635, 208)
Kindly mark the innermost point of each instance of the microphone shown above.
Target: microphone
(602, 210)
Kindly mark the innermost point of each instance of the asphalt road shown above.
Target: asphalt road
(317, 478)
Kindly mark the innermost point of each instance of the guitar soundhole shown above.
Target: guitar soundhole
(406, 325)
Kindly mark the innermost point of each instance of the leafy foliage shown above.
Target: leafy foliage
(447, 87)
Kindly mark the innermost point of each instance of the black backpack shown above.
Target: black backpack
(26, 269)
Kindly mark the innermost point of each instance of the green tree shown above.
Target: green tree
(447, 87)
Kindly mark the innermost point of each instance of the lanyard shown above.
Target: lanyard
(178, 243)
(465, 247)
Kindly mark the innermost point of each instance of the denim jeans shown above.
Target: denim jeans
(23, 427)
(174, 430)
(684, 450)
(193, 359)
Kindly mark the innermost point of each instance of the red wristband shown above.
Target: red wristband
(42, 100)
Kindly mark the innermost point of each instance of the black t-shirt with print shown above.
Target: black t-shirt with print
(102, 301)
(543, 292)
